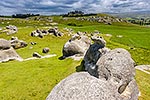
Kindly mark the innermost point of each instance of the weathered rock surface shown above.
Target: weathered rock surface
(82, 86)
(16, 43)
(117, 65)
(95, 51)
(7, 53)
(77, 45)
(4, 44)
(109, 75)
(131, 91)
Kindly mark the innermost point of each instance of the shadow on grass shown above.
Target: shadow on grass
(80, 67)
(61, 58)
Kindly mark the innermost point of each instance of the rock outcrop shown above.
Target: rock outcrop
(55, 32)
(11, 29)
(77, 45)
(4, 44)
(7, 53)
(95, 51)
(83, 86)
(42, 33)
(109, 75)
(16, 43)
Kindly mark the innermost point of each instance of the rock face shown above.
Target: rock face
(83, 86)
(4, 44)
(117, 67)
(95, 51)
(77, 45)
(7, 53)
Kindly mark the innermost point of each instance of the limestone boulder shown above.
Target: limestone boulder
(116, 66)
(131, 91)
(8, 55)
(77, 45)
(83, 86)
(16, 43)
(4, 44)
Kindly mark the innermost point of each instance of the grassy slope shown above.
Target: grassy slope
(33, 80)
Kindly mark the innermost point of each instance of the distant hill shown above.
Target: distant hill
(140, 17)
(138, 14)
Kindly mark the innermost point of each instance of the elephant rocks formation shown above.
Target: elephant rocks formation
(7, 52)
(109, 75)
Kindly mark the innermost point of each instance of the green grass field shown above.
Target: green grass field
(34, 79)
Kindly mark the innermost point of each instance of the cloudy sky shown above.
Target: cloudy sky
(49, 7)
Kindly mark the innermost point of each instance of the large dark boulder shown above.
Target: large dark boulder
(95, 51)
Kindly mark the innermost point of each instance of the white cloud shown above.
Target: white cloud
(63, 6)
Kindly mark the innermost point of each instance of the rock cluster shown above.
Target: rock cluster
(7, 53)
(11, 29)
(101, 19)
(109, 75)
(42, 33)
(77, 45)
(16, 43)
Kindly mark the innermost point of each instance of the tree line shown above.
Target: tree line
(77, 13)
(24, 15)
